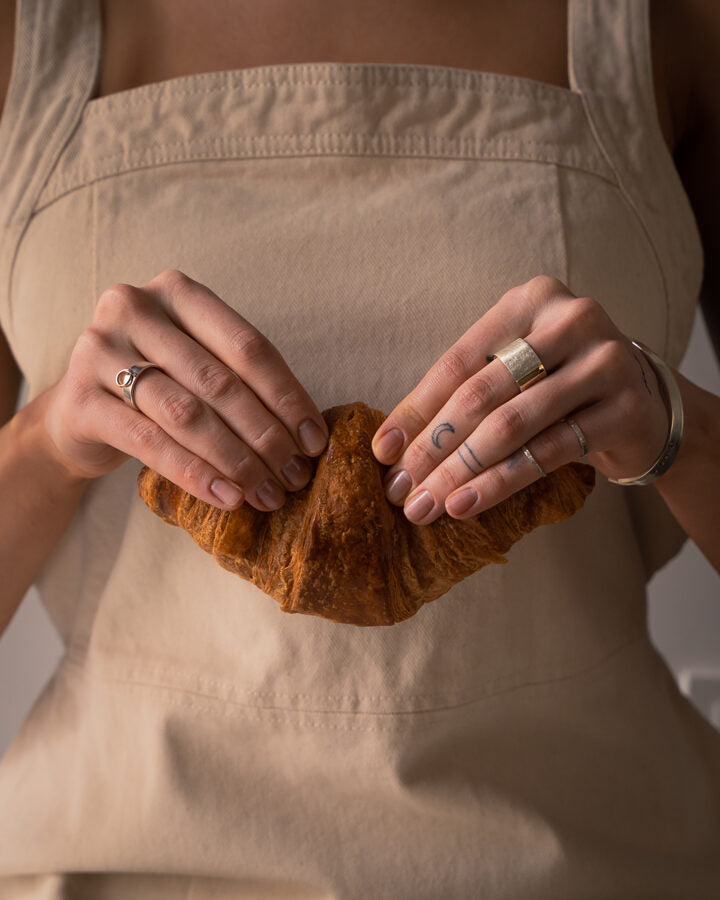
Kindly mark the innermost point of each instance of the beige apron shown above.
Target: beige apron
(520, 737)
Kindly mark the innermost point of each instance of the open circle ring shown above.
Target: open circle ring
(128, 378)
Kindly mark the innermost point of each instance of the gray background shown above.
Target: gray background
(683, 610)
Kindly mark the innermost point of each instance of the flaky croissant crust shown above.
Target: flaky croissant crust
(338, 549)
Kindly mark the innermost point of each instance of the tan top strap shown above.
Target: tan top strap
(610, 65)
(54, 68)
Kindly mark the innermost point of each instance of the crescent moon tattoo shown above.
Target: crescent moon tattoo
(438, 430)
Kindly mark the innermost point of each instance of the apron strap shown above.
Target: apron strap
(610, 66)
(54, 69)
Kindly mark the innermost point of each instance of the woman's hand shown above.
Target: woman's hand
(224, 419)
(465, 423)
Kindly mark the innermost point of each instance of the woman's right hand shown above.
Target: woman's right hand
(222, 420)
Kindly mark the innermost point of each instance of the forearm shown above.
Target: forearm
(691, 487)
(39, 498)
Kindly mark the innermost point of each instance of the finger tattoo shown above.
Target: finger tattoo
(438, 430)
(475, 459)
(515, 459)
(647, 386)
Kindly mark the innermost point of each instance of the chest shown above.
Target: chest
(146, 42)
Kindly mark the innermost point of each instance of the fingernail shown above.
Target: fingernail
(271, 494)
(297, 471)
(419, 506)
(389, 444)
(398, 486)
(311, 437)
(228, 494)
(462, 502)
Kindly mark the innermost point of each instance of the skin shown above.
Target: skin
(463, 425)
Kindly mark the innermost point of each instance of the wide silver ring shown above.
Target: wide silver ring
(128, 378)
(522, 362)
(580, 436)
(534, 461)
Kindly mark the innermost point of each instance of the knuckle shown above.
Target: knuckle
(582, 318)
(506, 422)
(448, 481)
(117, 299)
(88, 345)
(421, 457)
(243, 462)
(585, 312)
(453, 366)
(288, 402)
(545, 284)
(496, 481)
(171, 278)
(82, 391)
(145, 434)
(534, 292)
(612, 354)
(476, 395)
(194, 473)
(249, 344)
(610, 363)
(407, 416)
(182, 410)
(214, 382)
(271, 436)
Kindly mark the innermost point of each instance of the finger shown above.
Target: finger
(513, 316)
(193, 425)
(488, 405)
(116, 423)
(244, 349)
(501, 434)
(233, 340)
(188, 363)
(552, 448)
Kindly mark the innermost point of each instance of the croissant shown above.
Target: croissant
(338, 549)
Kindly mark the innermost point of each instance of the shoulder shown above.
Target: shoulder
(7, 35)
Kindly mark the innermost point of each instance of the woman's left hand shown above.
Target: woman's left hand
(464, 425)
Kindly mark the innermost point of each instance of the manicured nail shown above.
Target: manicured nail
(228, 494)
(389, 444)
(419, 506)
(398, 486)
(311, 437)
(271, 494)
(462, 502)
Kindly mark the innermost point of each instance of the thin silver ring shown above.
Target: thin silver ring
(533, 461)
(580, 436)
(128, 378)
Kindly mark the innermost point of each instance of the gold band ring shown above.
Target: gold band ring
(522, 362)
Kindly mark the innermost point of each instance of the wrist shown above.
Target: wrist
(28, 431)
(701, 434)
(673, 401)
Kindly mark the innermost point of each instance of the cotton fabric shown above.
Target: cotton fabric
(520, 737)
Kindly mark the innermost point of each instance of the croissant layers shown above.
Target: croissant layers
(338, 549)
